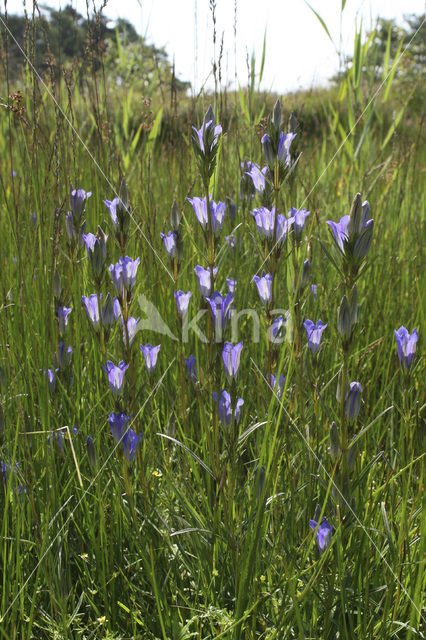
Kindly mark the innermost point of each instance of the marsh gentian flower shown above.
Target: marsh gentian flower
(258, 176)
(63, 313)
(406, 345)
(217, 212)
(132, 327)
(221, 309)
(130, 269)
(277, 385)
(353, 400)
(206, 138)
(62, 358)
(92, 309)
(78, 201)
(96, 250)
(353, 234)
(116, 271)
(314, 290)
(130, 445)
(191, 365)
(274, 332)
(306, 274)
(314, 334)
(51, 378)
(323, 537)
(170, 243)
(150, 354)
(296, 221)
(282, 228)
(182, 302)
(225, 408)
(284, 147)
(118, 424)
(204, 279)
(264, 287)
(232, 285)
(115, 376)
(231, 359)
(264, 219)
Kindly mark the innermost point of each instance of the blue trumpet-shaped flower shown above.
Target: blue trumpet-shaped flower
(130, 445)
(182, 302)
(170, 243)
(115, 376)
(204, 279)
(314, 334)
(406, 345)
(118, 424)
(323, 537)
(191, 365)
(264, 287)
(231, 359)
(225, 408)
(217, 213)
(150, 355)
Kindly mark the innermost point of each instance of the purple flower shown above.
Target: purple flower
(264, 287)
(296, 220)
(225, 408)
(191, 365)
(264, 219)
(117, 309)
(232, 285)
(406, 345)
(150, 354)
(353, 400)
(118, 424)
(182, 302)
(231, 241)
(258, 176)
(63, 313)
(51, 378)
(275, 331)
(96, 250)
(231, 359)
(314, 290)
(130, 445)
(204, 279)
(107, 311)
(314, 334)
(353, 234)
(132, 328)
(217, 212)
(170, 243)
(282, 228)
(116, 271)
(130, 268)
(284, 147)
(112, 208)
(221, 309)
(78, 202)
(206, 138)
(92, 309)
(323, 537)
(277, 385)
(62, 358)
(115, 376)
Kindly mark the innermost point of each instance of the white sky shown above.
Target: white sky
(298, 51)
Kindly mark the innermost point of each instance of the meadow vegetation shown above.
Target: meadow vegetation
(261, 473)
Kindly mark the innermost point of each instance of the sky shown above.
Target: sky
(299, 53)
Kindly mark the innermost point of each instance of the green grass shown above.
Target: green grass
(183, 543)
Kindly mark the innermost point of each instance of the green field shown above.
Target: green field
(200, 528)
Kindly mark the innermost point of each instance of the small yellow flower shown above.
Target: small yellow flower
(101, 620)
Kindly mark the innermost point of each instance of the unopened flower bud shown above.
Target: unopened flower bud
(174, 216)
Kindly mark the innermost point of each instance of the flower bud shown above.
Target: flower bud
(356, 217)
(276, 116)
(344, 324)
(174, 216)
(353, 400)
(306, 274)
(91, 452)
(57, 287)
(335, 449)
(107, 312)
